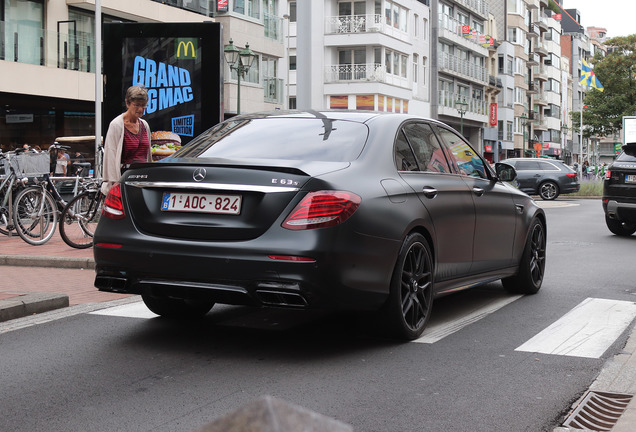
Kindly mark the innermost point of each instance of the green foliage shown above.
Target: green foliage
(552, 5)
(589, 188)
(617, 72)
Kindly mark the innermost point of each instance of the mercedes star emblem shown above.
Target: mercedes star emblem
(199, 174)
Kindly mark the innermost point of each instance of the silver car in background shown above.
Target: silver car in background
(547, 178)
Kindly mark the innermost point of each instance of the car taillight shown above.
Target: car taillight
(571, 175)
(608, 174)
(113, 205)
(322, 209)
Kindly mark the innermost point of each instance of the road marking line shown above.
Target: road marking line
(439, 330)
(586, 331)
(133, 310)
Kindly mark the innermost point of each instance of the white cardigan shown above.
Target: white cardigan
(113, 147)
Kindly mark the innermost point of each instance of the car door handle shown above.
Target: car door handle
(478, 191)
(429, 192)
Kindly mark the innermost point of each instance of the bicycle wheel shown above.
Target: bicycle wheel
(79, 219)
(6, 222)
(35, 215)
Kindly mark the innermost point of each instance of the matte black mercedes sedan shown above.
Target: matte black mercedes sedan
(336, 209)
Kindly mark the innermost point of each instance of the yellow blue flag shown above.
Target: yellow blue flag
(588, 78)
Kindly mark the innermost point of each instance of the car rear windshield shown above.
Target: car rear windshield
(319, 139)
(624, 157)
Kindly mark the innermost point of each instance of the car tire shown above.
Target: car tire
(620, 228)
(548, 190)
(532, 266)
(177, 308)
(408, 308)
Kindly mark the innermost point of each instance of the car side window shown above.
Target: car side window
(547, 166)
(426, 148)
(527, 166)
(465, 160)
(404, 158)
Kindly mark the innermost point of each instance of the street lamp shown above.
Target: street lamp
(524, 122)
(240, 61)
(462, 106)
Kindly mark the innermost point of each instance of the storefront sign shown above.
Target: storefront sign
(19, 118)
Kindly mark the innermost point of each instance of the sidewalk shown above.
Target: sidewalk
(36, 279)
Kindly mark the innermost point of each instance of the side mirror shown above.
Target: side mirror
(505, 172)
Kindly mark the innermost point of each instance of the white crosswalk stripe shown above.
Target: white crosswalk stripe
(586, 331)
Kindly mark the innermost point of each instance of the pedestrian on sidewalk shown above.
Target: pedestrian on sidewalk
(128, 138)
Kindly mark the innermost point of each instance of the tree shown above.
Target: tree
(604, 111)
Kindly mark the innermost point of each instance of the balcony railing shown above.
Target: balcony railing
(273, 27)
(354, 23)
(466, 68)
(475, 106)
(355, 72)
(273, 90)
(198, 6)
(25, 44)
(454, 26)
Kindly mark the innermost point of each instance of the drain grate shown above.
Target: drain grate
(598, 411)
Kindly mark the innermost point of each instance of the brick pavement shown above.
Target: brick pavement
(53, 267)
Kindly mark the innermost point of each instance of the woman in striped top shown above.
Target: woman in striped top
(128, 138)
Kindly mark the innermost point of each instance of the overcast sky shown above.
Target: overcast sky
(617, 16)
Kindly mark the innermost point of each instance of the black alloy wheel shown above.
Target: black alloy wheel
(620, 228)
(548, 191)
(532, 265)
(411, 296)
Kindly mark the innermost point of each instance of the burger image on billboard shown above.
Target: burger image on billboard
(164, 144)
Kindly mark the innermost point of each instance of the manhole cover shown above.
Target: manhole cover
(598, 411)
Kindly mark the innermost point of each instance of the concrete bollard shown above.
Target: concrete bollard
(269, 414)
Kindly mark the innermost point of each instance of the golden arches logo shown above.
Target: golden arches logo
(187, 46)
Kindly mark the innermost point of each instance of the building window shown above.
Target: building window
(292, 16)
(423, 70)
(292, 102)
(292, 62)
(415, 67)
(395, 16)
(25, 19)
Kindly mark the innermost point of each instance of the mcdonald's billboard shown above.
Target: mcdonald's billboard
(180, 65)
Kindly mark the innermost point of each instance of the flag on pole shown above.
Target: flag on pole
(588, 78)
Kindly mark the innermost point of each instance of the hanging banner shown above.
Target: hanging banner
(493, 114)
(179, 64)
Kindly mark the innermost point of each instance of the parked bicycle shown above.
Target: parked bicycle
(37, 208)
(11, 184)
(81, 216)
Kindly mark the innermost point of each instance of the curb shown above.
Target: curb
(46, 261)
(31, 304)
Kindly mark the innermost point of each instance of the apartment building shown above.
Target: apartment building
(364, 55)
(462, 84)
(47, 59)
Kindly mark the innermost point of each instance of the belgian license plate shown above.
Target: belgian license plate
(630, 178)
(201, 203)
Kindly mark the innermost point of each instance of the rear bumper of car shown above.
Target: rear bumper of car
(571, 188)
(620, 210)
(357, 276)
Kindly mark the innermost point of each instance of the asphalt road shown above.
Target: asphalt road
(122, 369)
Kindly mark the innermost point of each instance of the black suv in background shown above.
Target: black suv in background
(547, 178)
(619, 195)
